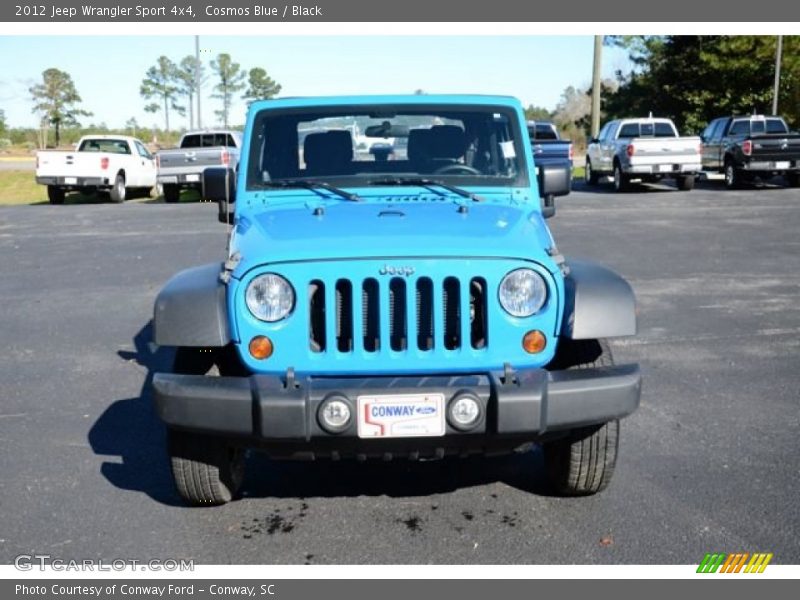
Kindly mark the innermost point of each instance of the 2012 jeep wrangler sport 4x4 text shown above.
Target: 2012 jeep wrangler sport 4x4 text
(391, 290)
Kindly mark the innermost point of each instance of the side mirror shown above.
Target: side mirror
(219, 184)
(594, 141)
(554, 180)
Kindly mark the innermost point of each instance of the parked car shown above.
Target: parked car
(183, 167)
(547, 145)
(754, 146)
(408, 308)
(549, 149)
(116, 164)
(643, 149)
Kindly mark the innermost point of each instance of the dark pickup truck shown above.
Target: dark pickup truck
(754, 146)
(548, 150)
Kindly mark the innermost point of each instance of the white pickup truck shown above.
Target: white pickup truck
(99, 163)
(645, 149)
(183, 167)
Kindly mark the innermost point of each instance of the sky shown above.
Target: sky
(108, 71)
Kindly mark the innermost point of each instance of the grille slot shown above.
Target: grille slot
(398, 311)
(424, 314)
(370, 311)
(479, 330)
(344, 315)
(316, 315)
(451, 297)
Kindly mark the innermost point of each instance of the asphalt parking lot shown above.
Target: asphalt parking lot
(710, 462)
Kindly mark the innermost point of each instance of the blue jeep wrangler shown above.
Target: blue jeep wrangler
(391, 290)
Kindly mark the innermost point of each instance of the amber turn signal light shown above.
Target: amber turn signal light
(261, 347)
(534, 342)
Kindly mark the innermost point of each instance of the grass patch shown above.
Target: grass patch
(578, 172)
(20, 187)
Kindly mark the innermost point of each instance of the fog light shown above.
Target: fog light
(534, 342)
(261, 347)
(334, 414)
(464, 411)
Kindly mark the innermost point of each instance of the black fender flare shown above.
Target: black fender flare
(191, 309)
(598, 303)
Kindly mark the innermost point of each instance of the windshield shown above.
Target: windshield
(355, 146)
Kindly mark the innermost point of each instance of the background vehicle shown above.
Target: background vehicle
(747, 147)
(547, 145)
(642, 149)
(415, 307)
(183, 166)
(105, 163)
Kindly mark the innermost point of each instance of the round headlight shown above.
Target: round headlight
(270, 297)
(522, 292)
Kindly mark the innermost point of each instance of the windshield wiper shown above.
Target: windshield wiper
(421, 181)
(313, 185)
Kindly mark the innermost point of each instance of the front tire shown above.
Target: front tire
(117, 191)
(582, 463)
(207, 470)
(55, 194)
(685, 183)
(793, 179)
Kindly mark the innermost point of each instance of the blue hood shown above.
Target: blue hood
(390, 226)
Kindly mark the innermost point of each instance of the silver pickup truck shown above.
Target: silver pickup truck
(183, 166)
(645, 149)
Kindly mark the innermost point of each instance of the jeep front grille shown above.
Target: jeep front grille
(397, 314)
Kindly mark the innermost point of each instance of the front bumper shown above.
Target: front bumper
(519, 406)
(74, 182)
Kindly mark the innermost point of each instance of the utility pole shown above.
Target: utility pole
(778, 53)
(598, 61)
(197, 79)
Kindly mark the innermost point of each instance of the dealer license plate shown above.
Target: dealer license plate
(782, 164)
(401, 415)
(193, 178)
(70, 180)
(665, 168)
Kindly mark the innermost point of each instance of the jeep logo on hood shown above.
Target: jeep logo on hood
(391, 270)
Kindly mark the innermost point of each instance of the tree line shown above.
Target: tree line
(690, 79)
(167, 86)
(171, 86)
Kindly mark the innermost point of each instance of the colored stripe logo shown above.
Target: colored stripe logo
(740, 562)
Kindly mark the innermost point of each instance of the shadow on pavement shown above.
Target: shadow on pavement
(130, 430)
(398, 478)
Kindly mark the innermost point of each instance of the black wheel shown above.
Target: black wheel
(55, 194)
(207, 470)
(589, 176)
(172, 193)
(582, 463)
(117, 191)
(685, 183)
(733, 178)
(620, 179)
(793, 179)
